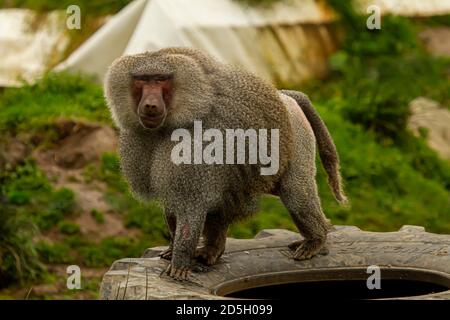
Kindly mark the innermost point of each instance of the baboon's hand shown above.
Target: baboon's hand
(166, 254)
(308, 248)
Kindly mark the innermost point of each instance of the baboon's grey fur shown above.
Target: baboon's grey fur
(207, 198)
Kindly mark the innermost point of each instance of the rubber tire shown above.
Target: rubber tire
(409, 251)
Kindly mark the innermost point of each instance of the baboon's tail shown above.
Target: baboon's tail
(327, 149)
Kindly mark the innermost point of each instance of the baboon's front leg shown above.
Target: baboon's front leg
(171, 225)
(215, 234)
(189, 226)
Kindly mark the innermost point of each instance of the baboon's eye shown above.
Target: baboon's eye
(152, 77)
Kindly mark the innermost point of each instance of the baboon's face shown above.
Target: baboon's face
(157, 91)
(152, 95)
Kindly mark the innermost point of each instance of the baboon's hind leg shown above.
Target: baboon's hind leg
(299, 195)
(215, 236)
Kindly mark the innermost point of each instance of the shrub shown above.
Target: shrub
(55, 252)
(18, 256)
(68, 227)
(377, 73)
(98, 216)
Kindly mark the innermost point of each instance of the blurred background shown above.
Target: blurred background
(383, 93)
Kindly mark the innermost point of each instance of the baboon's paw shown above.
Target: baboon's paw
(180, 274)
(294, 245)
(207, 255)
(166, 254)
(306, 249)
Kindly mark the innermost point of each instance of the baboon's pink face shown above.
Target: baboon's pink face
(152, 95)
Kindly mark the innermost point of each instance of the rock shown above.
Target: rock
(436, 40)
(410, 253)
(427, 114)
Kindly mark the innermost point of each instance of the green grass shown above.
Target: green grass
(56, 96)
(98, 216)
(18, 257)
(55, 252)
(88, 7)
(74, 249)
(68, 227)
(28, 191)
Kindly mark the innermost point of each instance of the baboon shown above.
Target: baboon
(153, 93)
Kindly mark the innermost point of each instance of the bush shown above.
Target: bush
(149, 218)
(68, 227)
(378, 72)
(59, 204)
(98, 216)
(29, 191)
(90, 7)
(110, 249)
(18, 256)
(374, 77)
(55, 252)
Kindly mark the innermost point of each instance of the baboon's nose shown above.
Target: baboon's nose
(150, 107)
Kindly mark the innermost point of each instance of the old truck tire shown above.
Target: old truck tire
(409, 259)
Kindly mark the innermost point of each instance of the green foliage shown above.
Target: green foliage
(22, 184)
(89, 7)
(28, 202)
(98, 216)
(378, 72)
(149, 218)
(426, 161)
(110, 172)
(434, 21)
(18, 256)
(63, 200)
(273, 215)
(68, 227)
(78, 250)
(55, 252)
(60, 203)
(63, 95)
(374, 77)
(110, 249)
(28, 191)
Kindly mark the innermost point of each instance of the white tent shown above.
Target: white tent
(29, 44)
(287, 42)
